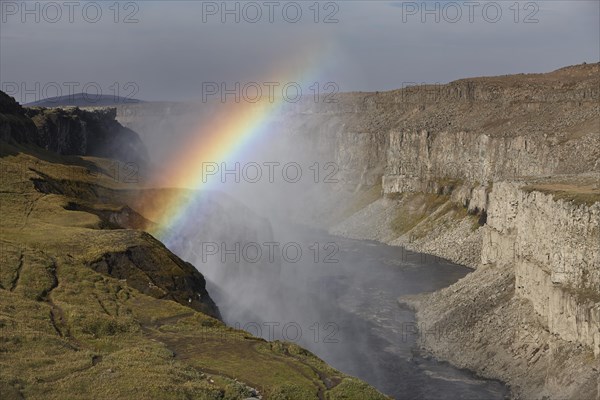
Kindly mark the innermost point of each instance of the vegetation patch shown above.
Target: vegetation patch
(580, 195)
(416, 208)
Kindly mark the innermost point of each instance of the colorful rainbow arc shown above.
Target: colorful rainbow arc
(233, 130)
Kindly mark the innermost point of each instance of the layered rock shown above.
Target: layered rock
(474, 130)
(535, 300)
(553, 247)
(75, 131)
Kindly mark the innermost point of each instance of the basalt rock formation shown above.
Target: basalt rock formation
(71, 131)
(75, 131)
(501, 174)
(14, 123)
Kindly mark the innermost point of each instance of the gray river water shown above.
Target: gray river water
(342, 306)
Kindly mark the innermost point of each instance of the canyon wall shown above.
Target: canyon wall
(474, 130)
(14, 124)
(520, 155)
(71, 131)
(523, 154)
(554, 248)
(96, 132)
(498, 173)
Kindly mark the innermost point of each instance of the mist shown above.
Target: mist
(257, 229)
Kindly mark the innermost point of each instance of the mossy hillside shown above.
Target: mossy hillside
(68, 331)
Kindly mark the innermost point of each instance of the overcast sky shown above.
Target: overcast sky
(169, 48)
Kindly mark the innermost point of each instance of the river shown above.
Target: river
(341, 303)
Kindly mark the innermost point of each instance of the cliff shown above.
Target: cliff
(75, 131)
(553, 247)
(472, 130)
(501, 174)
(504, 179)
(497, 173)
(71, 131)
(530, 313)
(91, 306)
(14, 123)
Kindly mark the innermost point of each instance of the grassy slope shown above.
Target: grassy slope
(67, 331)
(586, 193)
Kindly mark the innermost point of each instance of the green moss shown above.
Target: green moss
(353, 389)
(69, 332)
(291, 392)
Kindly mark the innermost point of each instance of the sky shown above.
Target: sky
(171, 50)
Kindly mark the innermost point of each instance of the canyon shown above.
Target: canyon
(499, 174)
(92, 306)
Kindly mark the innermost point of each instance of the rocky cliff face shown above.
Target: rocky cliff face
(471, 130)
(553, 247)
(71, 131)
(488, 146)
(530, 313)
(14, 123)
(74, 131)
(155, 271)
(491, 145)
(502, 153)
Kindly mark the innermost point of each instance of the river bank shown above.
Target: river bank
(514, 318)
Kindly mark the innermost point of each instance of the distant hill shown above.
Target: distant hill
(83, 100)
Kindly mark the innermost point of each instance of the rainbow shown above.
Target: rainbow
(232, 130)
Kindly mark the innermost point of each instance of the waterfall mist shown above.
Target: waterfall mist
(256, 228)
(248, 233)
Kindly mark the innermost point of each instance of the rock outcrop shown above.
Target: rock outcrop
(521, 153)
(15, 126)
(489, 146)
(473, 130)
(75, 131)
(554, 248)
(153, 270)
(71, 131)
